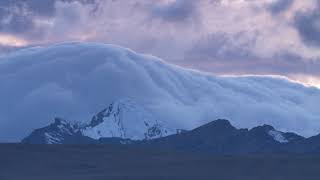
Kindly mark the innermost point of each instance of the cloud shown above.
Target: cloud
(4, 49)
(279, 6)
(28, 19)
(14, 18)
(224, 36)
(308, 26)
(175, 11)
(76, 80)
(223, 53)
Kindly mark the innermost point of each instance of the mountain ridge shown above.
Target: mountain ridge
(216, 137)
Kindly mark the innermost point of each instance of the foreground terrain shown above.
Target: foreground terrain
(95, 162)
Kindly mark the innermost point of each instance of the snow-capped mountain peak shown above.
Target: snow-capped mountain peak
(122, 119)
(125, 119)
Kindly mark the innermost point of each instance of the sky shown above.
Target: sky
(224, 37)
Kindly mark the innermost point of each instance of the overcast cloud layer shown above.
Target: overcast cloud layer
(220, 36)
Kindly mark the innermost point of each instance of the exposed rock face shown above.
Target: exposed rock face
(59, 132)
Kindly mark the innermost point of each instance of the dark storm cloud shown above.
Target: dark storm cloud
(308, 26)
(280, 6)
(18, 17)
(177, 11)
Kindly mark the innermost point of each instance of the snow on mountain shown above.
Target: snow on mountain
(277, 136)
(74, 80)
(127, 120)
(122, 119)
(56, 133)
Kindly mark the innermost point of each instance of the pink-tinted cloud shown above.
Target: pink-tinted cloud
(220, 36)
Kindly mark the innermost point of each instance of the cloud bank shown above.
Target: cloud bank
(76, 80)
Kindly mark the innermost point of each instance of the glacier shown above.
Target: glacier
(75, 80)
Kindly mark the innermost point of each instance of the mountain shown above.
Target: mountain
(59, 132)
(121, 120)
(127, 120)
(220, 137)
(216, 137)
(74, 80)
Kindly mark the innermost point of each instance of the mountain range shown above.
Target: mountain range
(122, 119)
(116, 125)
